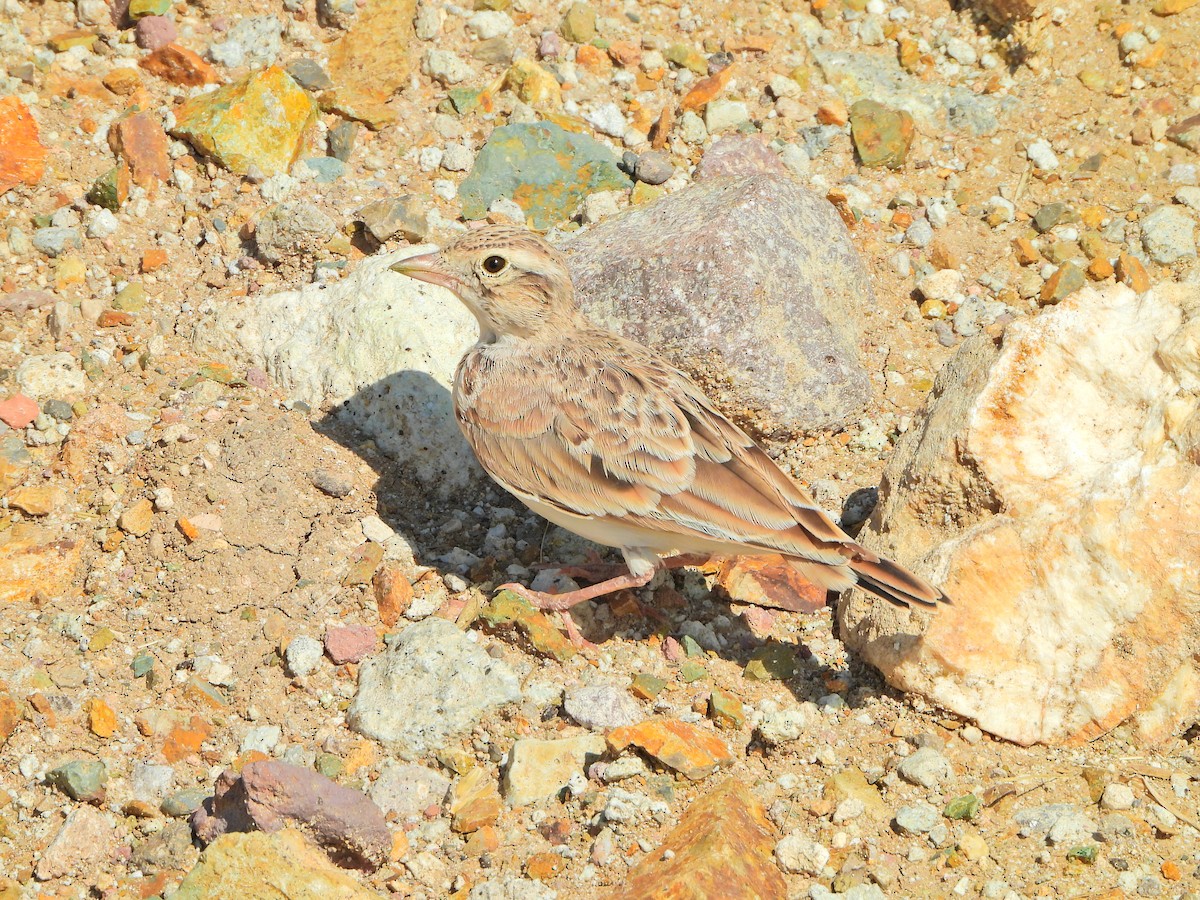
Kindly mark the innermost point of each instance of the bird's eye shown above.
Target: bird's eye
(494, 265)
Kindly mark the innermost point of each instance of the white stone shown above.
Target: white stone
(607, 119)
(796, 160)
(428, 21)
(961, 51)
(780, 726)
(782, 86)
(940, 285)
(487, 24)
(1055, 482)
(1042, 155)
(263, 738)
(457, 158)
(101, 223)
(378, 347)
(445, 67)
(53, 376)
(93, 12)
(798, 854)
(600, 205)
(303, 655)
(691, 128)
(1117, 796)
(1169, 235)
(722, 114)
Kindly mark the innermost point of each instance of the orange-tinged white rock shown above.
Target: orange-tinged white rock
(1053, 490)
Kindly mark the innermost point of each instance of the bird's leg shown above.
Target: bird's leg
(561, 602)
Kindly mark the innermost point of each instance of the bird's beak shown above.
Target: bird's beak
(427, 267)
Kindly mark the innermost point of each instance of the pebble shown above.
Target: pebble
(920, 818)
(405, 216)
(262, 738)
(601, 707)
(259, 122)
(723, 114)
(101, 223)
(1042, 155)
(798, 854)
(150, 782)
(432, 684)
(445, 67)
(607, 119)
(882, 135)
(55, 241)
(1169, 235)
(1117, 796)
(406, 791)
(540, 769)
(292, 228)
(653, 167)
(82, 779)
(925, 767)
(349, 643)
(153, 32)
(86, 837)
(781, 726)
(940, 285)
(1072, 827)
(253, 41)
(303, 655)
(488, 24)
(457, 158)
(919, 233)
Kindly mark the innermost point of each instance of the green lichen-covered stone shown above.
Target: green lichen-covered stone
(882, 135)
(547, 170)
(81, 779)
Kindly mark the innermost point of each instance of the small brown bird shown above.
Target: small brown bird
(597, 434)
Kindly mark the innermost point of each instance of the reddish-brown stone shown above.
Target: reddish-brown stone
(140, 141)
(22, 155)
(18, 411)
(769, 581)
(722, 847)
(707, 89)
(393, 593)
(270, 795)
(179, 65)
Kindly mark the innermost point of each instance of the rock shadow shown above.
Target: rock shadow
(430, 490)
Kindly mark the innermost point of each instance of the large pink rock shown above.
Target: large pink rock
(752, 285)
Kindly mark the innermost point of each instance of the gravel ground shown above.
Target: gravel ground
(200, 573)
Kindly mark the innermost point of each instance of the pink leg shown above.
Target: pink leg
(560, 602)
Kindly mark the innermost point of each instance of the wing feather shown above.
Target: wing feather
(638, 441)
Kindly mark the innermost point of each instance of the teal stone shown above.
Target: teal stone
(82, 779)
(184, 803)
(142, 664)
(328, 169)
(545, 169)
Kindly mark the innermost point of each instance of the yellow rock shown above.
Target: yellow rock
(262, 121)
(137, 519)
(533, 84)
(102, 721)
(34, 562)
(69, 270)
(36, 501)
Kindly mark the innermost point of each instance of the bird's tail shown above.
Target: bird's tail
(894, 583)
(876, 574)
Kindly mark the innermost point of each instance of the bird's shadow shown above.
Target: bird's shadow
(434, 494)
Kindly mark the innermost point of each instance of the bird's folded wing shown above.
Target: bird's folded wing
(641, 443)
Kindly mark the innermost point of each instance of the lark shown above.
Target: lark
(597, 434)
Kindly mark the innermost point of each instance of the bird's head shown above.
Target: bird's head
(513, 281)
